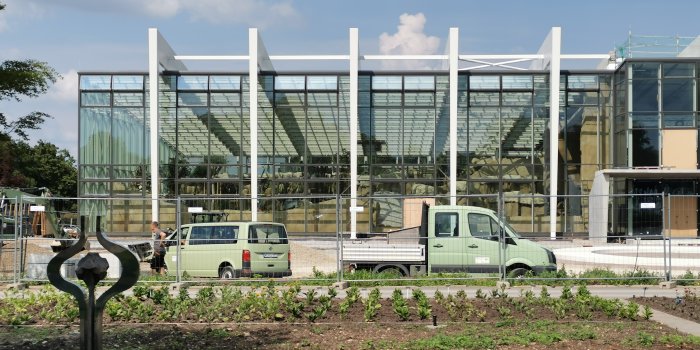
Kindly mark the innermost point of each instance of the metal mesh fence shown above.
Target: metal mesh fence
(649, 237)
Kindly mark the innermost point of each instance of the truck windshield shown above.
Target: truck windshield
(510, 230)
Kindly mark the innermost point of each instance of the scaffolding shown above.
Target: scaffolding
(652, 46)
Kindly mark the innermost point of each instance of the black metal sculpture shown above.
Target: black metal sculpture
(91, 269)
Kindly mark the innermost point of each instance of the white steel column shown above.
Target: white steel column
(454, 68)
(253, 111)
(554, 72)
(153, 117)
(354, 86)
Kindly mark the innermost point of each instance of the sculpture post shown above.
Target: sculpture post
(92, 268)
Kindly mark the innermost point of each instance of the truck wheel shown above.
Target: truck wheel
(227, 273)
(519, 272)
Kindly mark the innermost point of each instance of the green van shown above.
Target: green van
(231, 250)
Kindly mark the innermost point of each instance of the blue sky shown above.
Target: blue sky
(111, 35)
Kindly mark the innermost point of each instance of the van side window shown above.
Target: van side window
(482, 226)
(446, 224)
(200, 235)
(226, 235)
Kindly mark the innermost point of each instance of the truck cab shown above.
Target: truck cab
(474, 240)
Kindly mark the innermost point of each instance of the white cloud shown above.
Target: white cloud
(408, 39)
(65, 89)
(257, 13)
(18, 9)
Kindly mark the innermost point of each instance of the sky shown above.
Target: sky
(111, 35)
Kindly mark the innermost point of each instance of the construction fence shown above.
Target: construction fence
(651, 237)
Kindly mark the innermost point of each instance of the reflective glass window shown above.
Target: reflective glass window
(225, 99)
(95, 82)
(686, 70)
(289, 82)
(490, 82)
(192, 99)
(192, 82)
(582, 82)
(645, 70)
(678, 94)
(322, 82)
(224, 82)
(517, 98)
(91, 99)
(678, 120)
(424, 82)
(645, 95)
(386, 82)
(520, 82)
(134, 99)
(645, 147)
(127, 82)
(643, 120)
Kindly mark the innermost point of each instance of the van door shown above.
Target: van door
(269, 249)
(482, 246)
(197, 255)
(445, 247)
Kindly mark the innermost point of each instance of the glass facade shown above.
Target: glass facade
(403, 140)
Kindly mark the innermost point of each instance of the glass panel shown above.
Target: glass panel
(128, 99)
(386, 98)
(645, 70)
(446, 224)
(418, 133)
(425, 82)
(192, 188)
(322, 99)
(192, 99)
(128, 171)
(520, 82)
(386, 133)
(582, 98)
(384, 82)
(322, 132)
(484, 82)
(645, 95)
(425, 99)
(192, 135)
(94, 99)
(289, 82)
(225, 99)
(94, 188)
(674, 120)
(95, 82)
(484, 99)
(95, 135)
(517, 98)
(645, 147)
(192, 82)
(224, 82)
(289, 98)
(322, 82)
(678, 94)
(679, 70)
(224, 189)
(127, 135)
(581, 82)
(644, 120)
(94, 172)
(127, 82)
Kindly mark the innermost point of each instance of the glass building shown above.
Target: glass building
(285, 152)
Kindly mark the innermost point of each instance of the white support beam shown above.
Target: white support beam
(211, 58)
(403, 57)
(585, 56)
(153, 116)
(454, 70)
(554, 77)
(354, 51)
(253, 40)
(500, 57)
(264, 62)
(309, 57)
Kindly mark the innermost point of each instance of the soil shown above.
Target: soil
(7, 257)
(330, 336)
(686, 305)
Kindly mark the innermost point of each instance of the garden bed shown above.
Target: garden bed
(685, 305)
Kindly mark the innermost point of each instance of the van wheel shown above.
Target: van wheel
(227, 273)
(519, 272)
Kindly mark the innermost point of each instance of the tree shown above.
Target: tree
(23, 165)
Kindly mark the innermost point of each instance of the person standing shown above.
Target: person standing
(158, 259)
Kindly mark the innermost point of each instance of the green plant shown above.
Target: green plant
(645, 338)
(480, 294)
(647, 313)
(372, 305)
(566, 292)
(400, 305)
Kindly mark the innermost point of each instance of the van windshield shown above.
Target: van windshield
(267, 234)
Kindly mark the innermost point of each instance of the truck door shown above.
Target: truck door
(446, 247)
(482, 246)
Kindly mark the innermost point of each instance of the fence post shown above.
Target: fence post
(178, 271)
(18, 235)
(18, 219)
(501, 236)
(338, 237)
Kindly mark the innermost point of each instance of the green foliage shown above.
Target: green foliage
(400, 305)
(372, 305)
